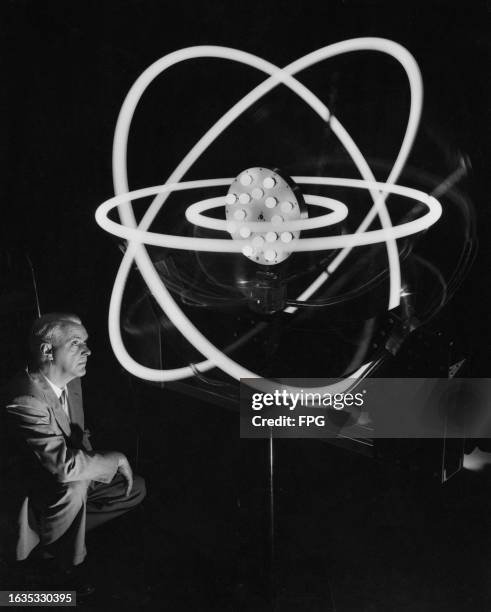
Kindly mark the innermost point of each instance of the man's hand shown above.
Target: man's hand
(125, 470)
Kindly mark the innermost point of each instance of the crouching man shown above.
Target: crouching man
(66, 488)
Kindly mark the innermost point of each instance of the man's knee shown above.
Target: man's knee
(62, 511)
(139, 490)
(67, 495)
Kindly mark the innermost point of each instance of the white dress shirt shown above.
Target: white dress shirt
(58, 393)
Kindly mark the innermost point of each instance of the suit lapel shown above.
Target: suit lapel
(53, 402)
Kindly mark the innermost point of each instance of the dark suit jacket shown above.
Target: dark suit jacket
(44, 449)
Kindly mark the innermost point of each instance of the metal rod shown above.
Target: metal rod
(34, 284)
(272, 572)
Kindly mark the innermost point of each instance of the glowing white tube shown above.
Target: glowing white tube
(339, 212)
(137, 251)
(219, 245)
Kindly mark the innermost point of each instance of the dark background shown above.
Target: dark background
(66, 68)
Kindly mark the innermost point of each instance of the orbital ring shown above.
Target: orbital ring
(225, 245)
(339, 212)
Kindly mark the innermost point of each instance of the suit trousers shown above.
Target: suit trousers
(68, 511)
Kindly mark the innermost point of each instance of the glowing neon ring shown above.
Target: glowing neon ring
(135, 250)
(339, 212)
(220, 245)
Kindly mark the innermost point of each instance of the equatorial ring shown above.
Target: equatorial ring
(225, 245)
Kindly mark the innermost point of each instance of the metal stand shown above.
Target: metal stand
(272, 566)
(278, 591)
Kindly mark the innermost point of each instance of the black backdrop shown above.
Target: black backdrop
(66, 67)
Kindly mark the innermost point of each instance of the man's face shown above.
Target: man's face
(70, 353)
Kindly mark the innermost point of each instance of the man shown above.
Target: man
(66, 487)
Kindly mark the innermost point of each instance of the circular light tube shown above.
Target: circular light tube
(220, 245)
(339, 212)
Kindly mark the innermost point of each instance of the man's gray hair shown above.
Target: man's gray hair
(49, 328)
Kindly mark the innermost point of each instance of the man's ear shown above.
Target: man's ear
(47, 351)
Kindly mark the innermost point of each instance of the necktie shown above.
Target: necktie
(64, 402)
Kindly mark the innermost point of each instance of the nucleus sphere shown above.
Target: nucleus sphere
(261, 195)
